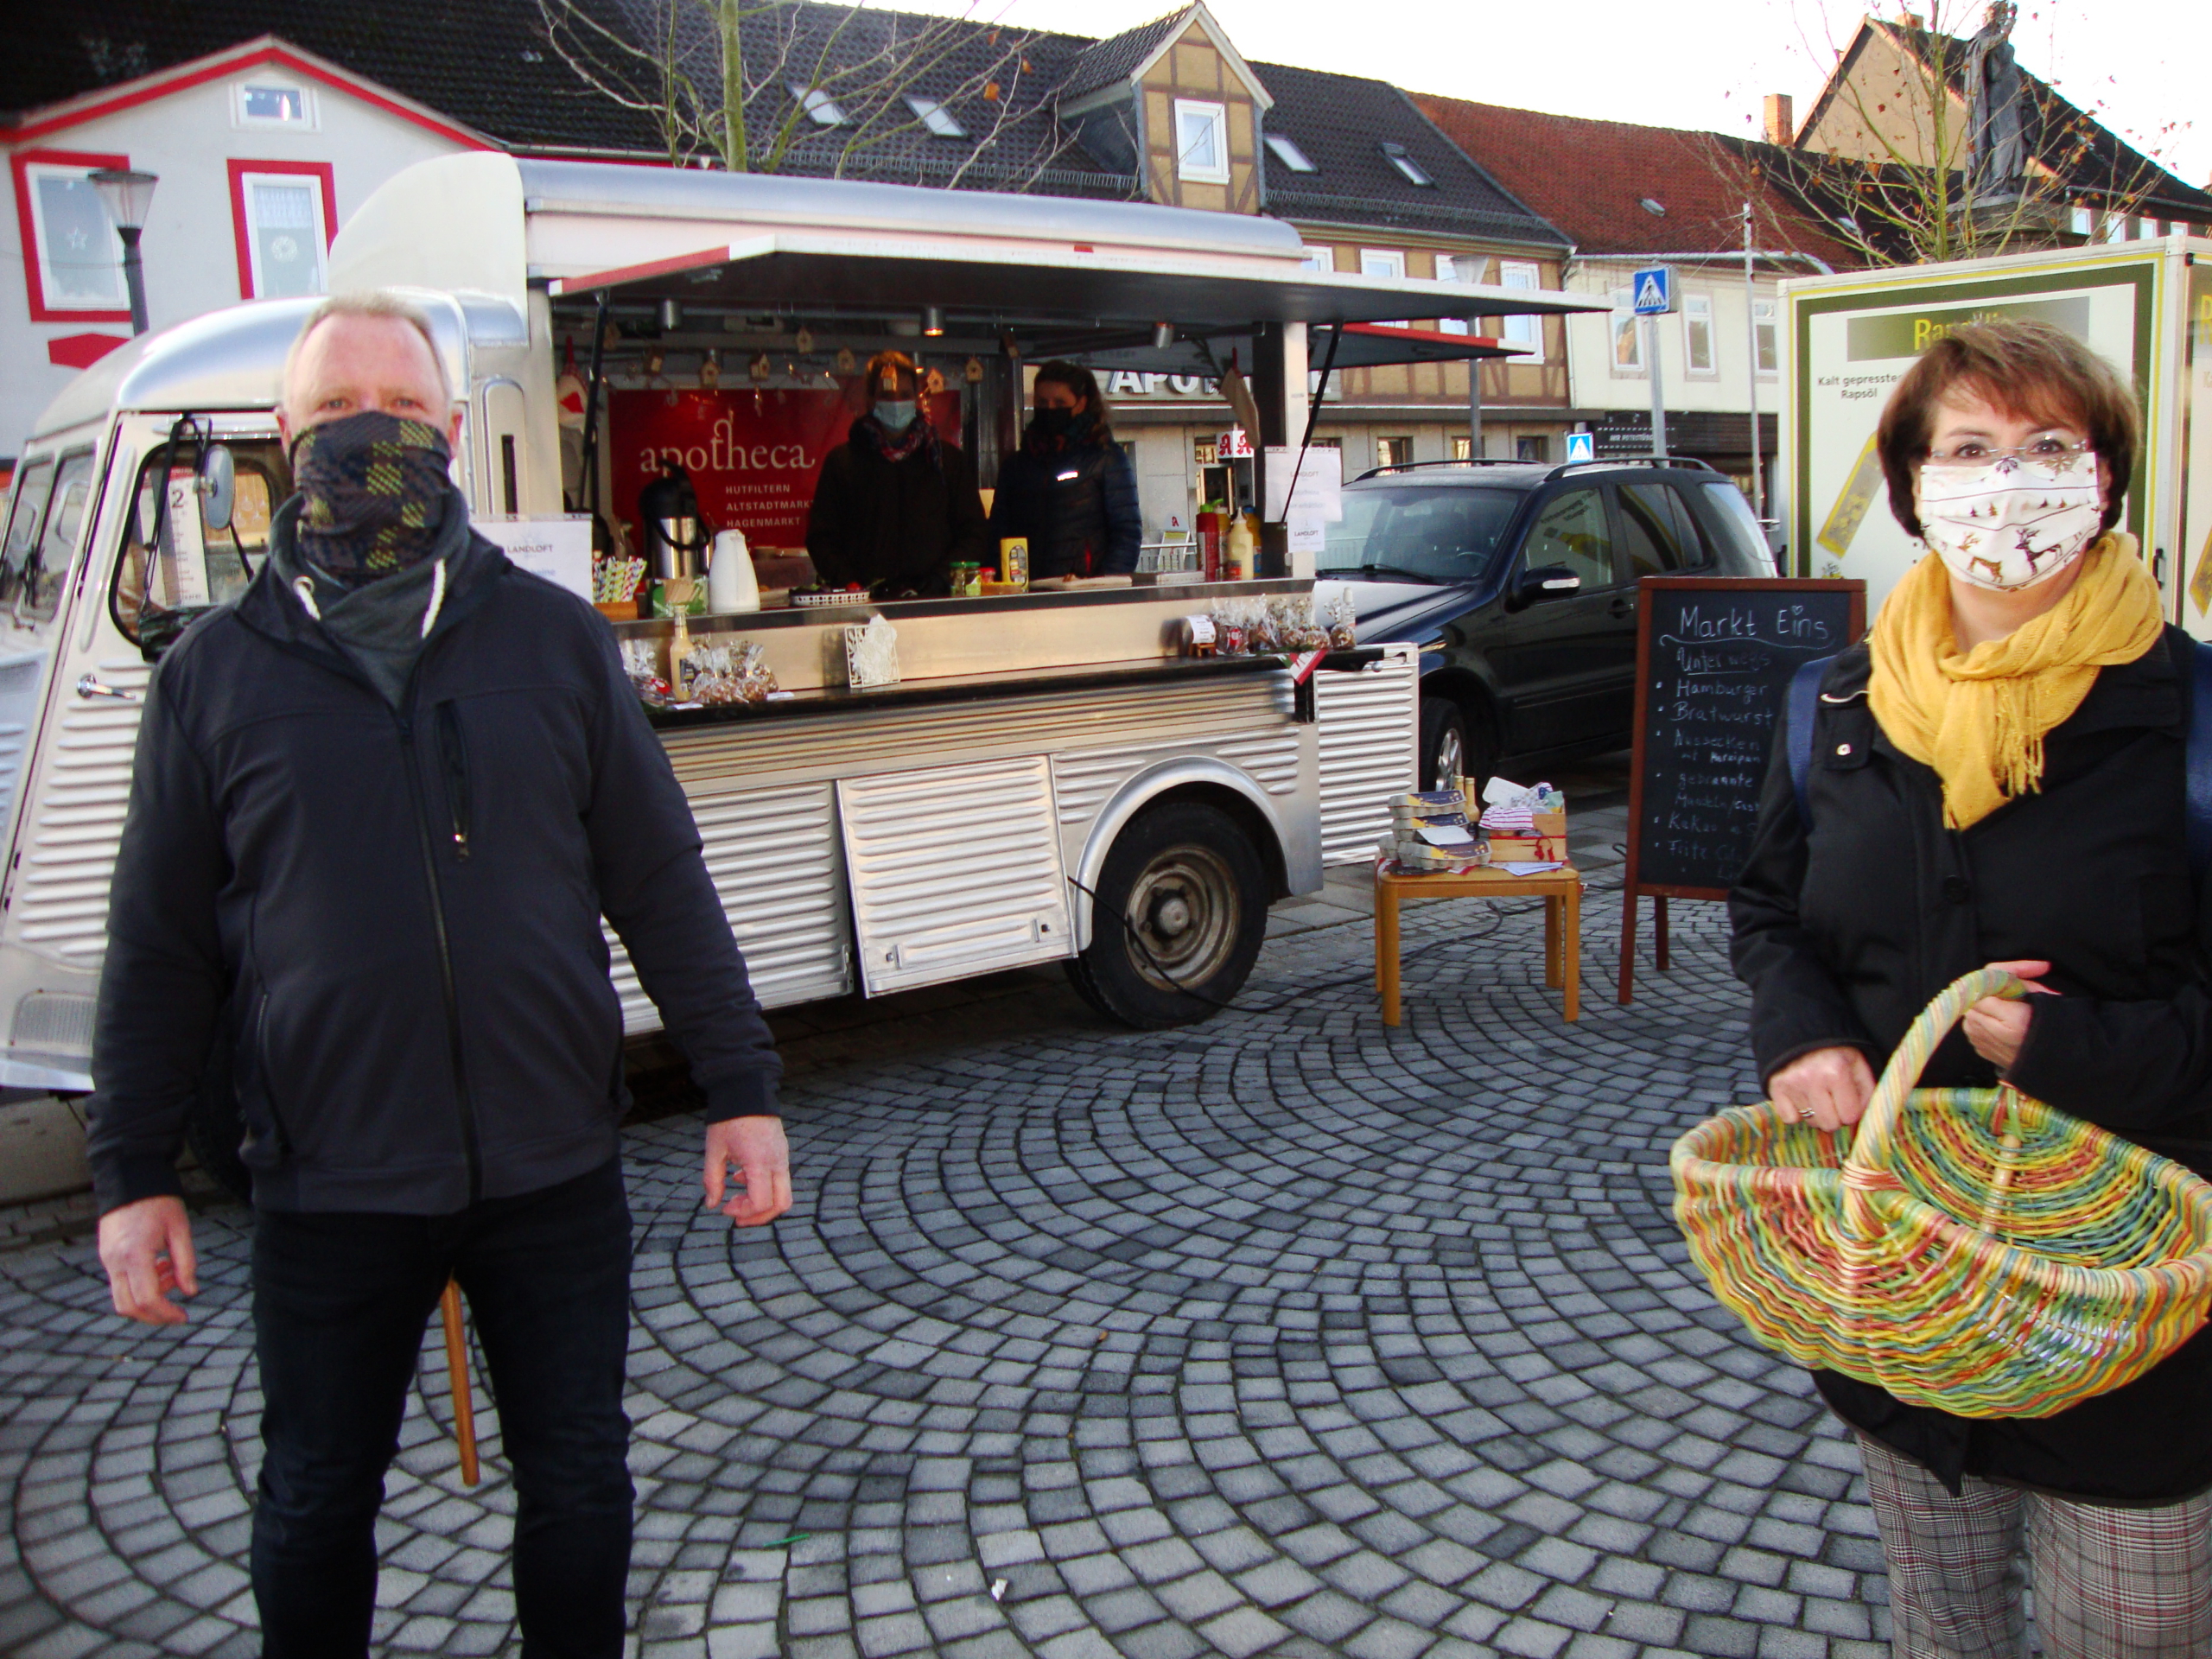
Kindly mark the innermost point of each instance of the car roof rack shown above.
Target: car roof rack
(1565, 467)
(1464, 461)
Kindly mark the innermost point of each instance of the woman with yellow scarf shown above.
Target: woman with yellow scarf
(1998, 777)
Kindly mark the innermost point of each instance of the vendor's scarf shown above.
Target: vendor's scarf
(375, 489)
(1080, 432)
(1980, 718)
(917, 437)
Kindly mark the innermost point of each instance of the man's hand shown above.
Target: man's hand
(757, 1146)
(1829, 1088)
(1998, 1025)
(146, 1248)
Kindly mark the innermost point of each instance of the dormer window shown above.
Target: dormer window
(272, 102)
(1287, 152)
(821, 109)
(1201, 142)
(934, 116)
(1411, 169)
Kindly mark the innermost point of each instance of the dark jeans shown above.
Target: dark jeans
(339, 1306)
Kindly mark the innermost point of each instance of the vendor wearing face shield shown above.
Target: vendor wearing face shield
(1069, 488)
(896, 506)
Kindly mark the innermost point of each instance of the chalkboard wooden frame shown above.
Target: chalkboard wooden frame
(1632, 884)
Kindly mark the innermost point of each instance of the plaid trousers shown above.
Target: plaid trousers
(2109, 1583)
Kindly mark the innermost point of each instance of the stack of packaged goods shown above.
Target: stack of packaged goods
(1429, 832)
(1524, 825)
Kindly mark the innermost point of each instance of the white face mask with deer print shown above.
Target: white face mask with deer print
(2011, 521)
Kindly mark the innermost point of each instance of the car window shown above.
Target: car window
(1653, 539)
(32, 490)
(1441, 533)
(1728, 514)
(1571, 530)
(37, 585)
(194, 567)
(1697, 550)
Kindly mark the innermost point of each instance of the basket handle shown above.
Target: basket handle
(1870, 1147)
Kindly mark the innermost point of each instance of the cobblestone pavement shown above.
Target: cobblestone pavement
(1282, 1335)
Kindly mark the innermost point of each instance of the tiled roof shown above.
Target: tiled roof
(2081, 152)
(1104, 63)
(1341, 123)
(1592, 179)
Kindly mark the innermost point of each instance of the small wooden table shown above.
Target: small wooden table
(1559, 889)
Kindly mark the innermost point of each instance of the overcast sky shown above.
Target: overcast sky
(2139, 65)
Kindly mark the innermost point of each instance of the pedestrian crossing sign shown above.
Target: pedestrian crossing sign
(1654, 291)
(1581, 445)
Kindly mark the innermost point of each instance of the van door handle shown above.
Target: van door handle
(89, 687)
(1624, 605)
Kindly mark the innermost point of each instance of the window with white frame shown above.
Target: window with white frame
(1458, 267)
(1524, 333)
(1628, 334)
(1201, 142)
(285, 233)
(934, 116)
(1763, 327)
(1320, 259)
(264, 101)
(1698, 357)
(78, 255)
(1381, 262)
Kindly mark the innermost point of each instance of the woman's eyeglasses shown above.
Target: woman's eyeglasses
(1971, 455)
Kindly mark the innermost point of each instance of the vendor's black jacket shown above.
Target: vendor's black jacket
(902, 523)
(394, 914)
(1078, 507)
(1845, 937)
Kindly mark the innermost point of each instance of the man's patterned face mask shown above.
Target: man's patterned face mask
(376, 488)
(2012, 520)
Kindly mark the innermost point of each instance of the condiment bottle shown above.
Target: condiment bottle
(1237, 558)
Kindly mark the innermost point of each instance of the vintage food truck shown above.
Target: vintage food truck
(1051, 776)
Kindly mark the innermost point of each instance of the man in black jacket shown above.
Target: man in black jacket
(377, 809)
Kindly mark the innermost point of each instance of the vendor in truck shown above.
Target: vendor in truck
(1070, 489)
(896, 506)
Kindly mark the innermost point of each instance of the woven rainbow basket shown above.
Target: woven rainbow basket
(1970, 1249)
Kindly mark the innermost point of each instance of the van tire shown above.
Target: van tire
(1184, 878)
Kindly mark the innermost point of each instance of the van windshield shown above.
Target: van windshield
(193, 567)
(1445, 533)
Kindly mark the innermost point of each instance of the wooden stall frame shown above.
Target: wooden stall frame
(1631, 886)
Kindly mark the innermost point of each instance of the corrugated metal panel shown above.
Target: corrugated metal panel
(956, 870)
(773, 857)
(59, 905)
(1085, 780)
(1369, 733)
(852, 740)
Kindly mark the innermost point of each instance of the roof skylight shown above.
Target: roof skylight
(823, 110)
(1413, 171)
(934, 116)
(1285, 150)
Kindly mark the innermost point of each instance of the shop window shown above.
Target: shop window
(1285, 150)
(1763, 325)
(1628, 334)
(1534, 447)
(934, 116)
(1525, 334)
(1697, 335)
(1394, 452)
(73, 267)
(1462, 447)
(1205, 452)
(263, 102)
(1201, 142)
(282, 213)
(1571, 530)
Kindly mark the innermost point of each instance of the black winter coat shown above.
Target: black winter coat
(397, 911)
(901, 522)
(1846, 936)
(1077, 507)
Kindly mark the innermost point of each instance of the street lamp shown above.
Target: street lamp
(128, 195)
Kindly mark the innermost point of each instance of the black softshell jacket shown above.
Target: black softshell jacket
(1846, 936)
(396, 913)
(905, 523)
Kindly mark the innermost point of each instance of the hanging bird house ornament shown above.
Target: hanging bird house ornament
(974, 371)
(759, 368)
(804, 340)
(934, 382)
(846, 361)
(710, 371)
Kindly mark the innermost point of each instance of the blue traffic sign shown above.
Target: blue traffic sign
(1654, 291)
(1581, 445)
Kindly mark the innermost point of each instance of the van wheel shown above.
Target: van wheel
(1180, 912)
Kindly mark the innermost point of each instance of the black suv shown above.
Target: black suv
(1518, 580)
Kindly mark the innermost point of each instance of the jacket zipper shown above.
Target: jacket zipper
(268, 1075)
(470, 1147)
(455, 749)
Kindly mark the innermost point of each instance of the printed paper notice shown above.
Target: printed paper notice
(187, 553)
(559, 549)
(1320, 488)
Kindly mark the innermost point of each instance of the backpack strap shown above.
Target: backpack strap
(2198, 758)
(1801, 704)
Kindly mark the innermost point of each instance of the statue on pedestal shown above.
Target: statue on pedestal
(1997, 149)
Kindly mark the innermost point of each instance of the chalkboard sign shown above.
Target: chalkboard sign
(1713, 660)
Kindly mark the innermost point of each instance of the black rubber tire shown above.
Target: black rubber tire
(215, 1128)
(1443, 742)
(1183, 876)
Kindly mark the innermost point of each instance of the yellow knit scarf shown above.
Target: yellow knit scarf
(1980, 718)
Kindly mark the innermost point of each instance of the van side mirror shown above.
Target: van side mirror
(1549, 582)
(218, 485)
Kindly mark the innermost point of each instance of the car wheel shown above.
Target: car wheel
(1443, 743)
(1180, 910)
